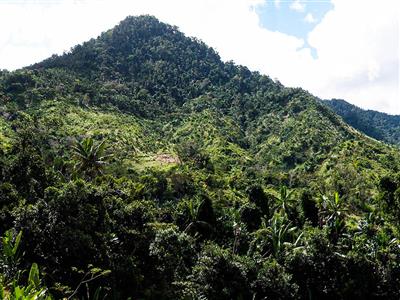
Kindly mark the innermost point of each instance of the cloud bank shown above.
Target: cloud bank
(357, 42)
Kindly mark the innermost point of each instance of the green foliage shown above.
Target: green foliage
(274, 282)
(31, 291)
(215, 267)
(276, 237)
(10, 254)
(201, 218)
(139, 165)
(190, 152)
(284, 200)
(91, 157)
(174, 252)
(10, 288)
(378, 125)
(389, 196)
(309, 208)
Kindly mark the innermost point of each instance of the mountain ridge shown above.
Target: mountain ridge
(381, 126)
(141, 159)
(158, 86)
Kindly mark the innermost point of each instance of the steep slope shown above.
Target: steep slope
(378, 125)
(141, 152)
(151, 70)
(147, 67)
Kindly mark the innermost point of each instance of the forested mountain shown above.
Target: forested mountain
(140, 165)
(375, 124)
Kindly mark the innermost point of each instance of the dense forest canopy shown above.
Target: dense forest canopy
(375, 124)
(139, 165)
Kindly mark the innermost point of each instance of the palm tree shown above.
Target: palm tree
(91, 158)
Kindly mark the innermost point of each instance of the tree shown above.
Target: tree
(191, 152)
(174, 255)
(309, 207)
(91, 157)
(257, 196)
(10, 254)
(273, 282)
(219, 274)
(202, 217)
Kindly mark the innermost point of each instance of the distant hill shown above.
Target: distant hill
(381, 126)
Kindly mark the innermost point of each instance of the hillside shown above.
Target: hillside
(378, 125)
(143, 163)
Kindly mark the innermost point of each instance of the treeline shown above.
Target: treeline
(378, 125)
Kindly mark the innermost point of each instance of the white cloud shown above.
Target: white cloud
(297, 6)
(358, 54)
(277, 3)
(309, 18)
(356, 42)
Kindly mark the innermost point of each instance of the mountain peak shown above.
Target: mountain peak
(134, 45)
(143, 160)
(154, 60)
(143, 26)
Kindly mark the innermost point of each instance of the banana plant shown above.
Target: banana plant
(284, 201)
(32, 291)
(276, 235)
(10, 254)
(333, 210)
(333, 214)
(10, 289)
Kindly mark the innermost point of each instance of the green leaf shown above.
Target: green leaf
(34, 278)
(16, 243)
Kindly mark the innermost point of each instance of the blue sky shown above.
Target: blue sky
(296, 18)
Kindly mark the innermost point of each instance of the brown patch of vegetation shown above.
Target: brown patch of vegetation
(167, 158)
